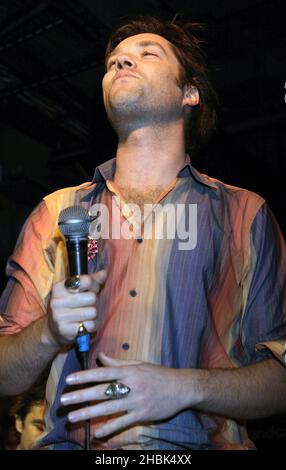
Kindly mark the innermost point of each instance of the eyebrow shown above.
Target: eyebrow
(140, 44)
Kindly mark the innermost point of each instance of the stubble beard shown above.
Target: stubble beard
(135, 108)
(127, 109)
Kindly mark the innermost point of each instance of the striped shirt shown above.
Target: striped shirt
(218, 302)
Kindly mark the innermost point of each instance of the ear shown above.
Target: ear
(191, 95)
(18, 424)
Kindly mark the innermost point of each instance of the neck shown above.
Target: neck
(150, 156)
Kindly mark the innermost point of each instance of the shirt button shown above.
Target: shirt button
(133, 293)
(125, 346)
(140, 240)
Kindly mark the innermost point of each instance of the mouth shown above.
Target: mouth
(123, 75)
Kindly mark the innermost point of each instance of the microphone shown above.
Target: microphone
(74, 224)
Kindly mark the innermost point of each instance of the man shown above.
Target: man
(28, 411)
(188, 340)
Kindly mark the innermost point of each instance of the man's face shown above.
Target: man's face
(142, 79)
(32, 427)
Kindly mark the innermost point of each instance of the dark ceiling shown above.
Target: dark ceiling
(52, 125)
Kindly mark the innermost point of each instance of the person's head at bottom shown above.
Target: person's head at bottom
(28, 411)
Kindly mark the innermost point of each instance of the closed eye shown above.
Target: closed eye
(110, 64)
(40, 427)
(150, 53)
(145, 53)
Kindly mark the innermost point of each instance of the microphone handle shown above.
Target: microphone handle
(77, 255)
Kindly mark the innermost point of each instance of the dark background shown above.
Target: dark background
(53, 130)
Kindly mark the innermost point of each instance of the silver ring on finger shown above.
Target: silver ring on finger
(116, 390)
(72, 284)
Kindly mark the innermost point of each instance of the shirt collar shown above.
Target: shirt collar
(199, 177)
(106, 171)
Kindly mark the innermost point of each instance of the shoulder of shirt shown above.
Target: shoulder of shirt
(227, 192)
(65, 197)
(70, 190)
(69, 194)
(234, 191)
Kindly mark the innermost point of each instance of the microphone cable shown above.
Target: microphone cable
(83, 345)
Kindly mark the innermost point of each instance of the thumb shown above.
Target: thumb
(99, 276)
(111, 362)
(97, 280)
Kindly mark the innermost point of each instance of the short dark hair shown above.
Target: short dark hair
(194, 71)
(24, 402)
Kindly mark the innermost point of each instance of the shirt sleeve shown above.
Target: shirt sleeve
(30, 271)
(264, 317)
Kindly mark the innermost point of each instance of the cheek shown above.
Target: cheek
(33, 432)
(105, 93)
(37, 432)
(106, 83)
(166, 79)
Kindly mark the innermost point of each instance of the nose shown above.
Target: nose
(124, 61)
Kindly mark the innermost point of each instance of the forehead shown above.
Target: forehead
(139, 40)
(36, 411)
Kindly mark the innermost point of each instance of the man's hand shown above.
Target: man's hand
(67, 309)
(154, 394)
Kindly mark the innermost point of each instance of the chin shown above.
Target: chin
(126, 105)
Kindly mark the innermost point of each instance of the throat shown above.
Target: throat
(142, 196)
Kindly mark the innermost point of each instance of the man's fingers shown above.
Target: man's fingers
(117, 424)
(92, 282)
(106, 409)
(101, 374)
(69, 307)
(98, 280)
(76, 315)
(87, 394)
(110, 361)
(73, 301)
(101, 409)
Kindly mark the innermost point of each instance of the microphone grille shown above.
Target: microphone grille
(74, 221)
